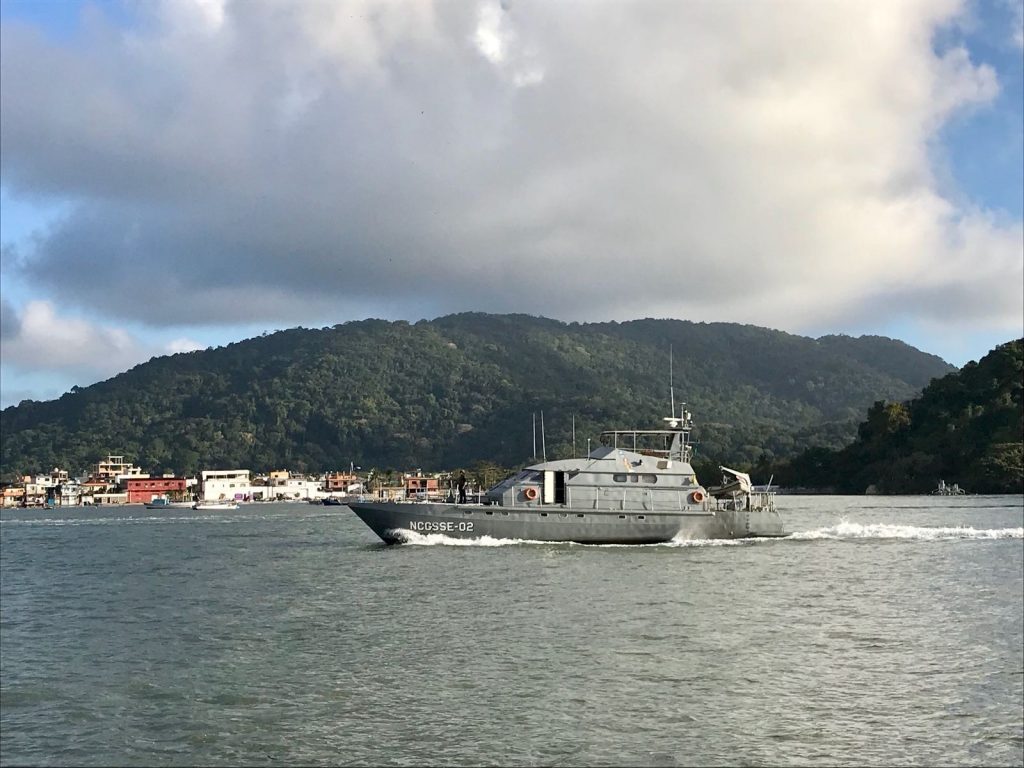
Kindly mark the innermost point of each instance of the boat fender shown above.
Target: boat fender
(697, 497)
(530, 493)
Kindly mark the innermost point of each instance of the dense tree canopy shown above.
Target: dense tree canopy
(462, 389)
(965, 428)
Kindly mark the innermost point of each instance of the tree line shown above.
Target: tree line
(462, 389)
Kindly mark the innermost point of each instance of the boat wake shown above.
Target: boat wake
(439, 539)
(843, 531)
(848, 530)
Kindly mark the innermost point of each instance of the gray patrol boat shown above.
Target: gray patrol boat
(638, 487)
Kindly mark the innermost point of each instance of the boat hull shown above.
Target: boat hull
(393, 522)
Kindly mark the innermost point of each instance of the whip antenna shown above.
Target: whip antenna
(543, 439)
(671, 388)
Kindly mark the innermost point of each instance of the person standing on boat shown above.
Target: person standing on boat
(461, 485)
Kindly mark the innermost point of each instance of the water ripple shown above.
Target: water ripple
(873, 635)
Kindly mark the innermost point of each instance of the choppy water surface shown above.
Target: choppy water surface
(884, 631)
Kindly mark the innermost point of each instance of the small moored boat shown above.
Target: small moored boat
(949, 490)
(161, 503)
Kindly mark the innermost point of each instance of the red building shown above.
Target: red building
(141, 490)
(421, 487)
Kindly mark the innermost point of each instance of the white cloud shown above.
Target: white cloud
(41, 341)
(311, 162)
(183, 345)
(498, 42)
(47, 340)
(1016, 8)
(491, 35)
(203, 16)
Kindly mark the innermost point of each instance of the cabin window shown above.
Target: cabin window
(652, 479)
(543, 514)
(580, 515)
(619, 478)
(622, 517)
(634, 478)
(641, 517)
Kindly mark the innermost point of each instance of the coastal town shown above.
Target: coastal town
(115, 480)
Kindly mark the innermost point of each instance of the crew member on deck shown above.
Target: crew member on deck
(462, 487)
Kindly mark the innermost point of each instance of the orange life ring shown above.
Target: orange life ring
(697, 497)
(530, 493)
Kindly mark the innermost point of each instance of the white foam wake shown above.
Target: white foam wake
(711, 542)
(848, 530)
(439, 539)
(840, 531)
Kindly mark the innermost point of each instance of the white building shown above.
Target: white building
(296, 488)
(115, 469)
(219, 484)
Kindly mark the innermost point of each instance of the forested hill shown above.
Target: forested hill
(463, 388)
(965, 428)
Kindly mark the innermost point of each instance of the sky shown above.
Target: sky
(177, 174)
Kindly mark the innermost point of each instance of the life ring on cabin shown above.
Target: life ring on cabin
(697, 496)
(530, 493)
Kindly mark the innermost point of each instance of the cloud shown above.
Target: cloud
(39, 339)
(10, 323)
(46, 340)
(183, 345)
(1016, 11)
(313, 162)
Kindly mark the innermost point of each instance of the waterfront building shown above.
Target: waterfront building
(142, 490)
(346, 482)
(421, 487)
(283, 486)
(220, 484)
(93, 486)
(114, 469)
(14, 496)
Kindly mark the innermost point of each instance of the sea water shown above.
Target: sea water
(883, 631)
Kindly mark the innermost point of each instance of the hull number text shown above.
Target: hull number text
(441, 526)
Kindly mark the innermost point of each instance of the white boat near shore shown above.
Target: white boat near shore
(215, 505)
(165, 504)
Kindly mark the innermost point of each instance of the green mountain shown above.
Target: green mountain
(464, 388)
(965, 428)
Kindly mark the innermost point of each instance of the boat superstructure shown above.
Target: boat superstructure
(637, 487)
(948, 490)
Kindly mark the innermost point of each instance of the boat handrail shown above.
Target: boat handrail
(667, 432)
(677, 445)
